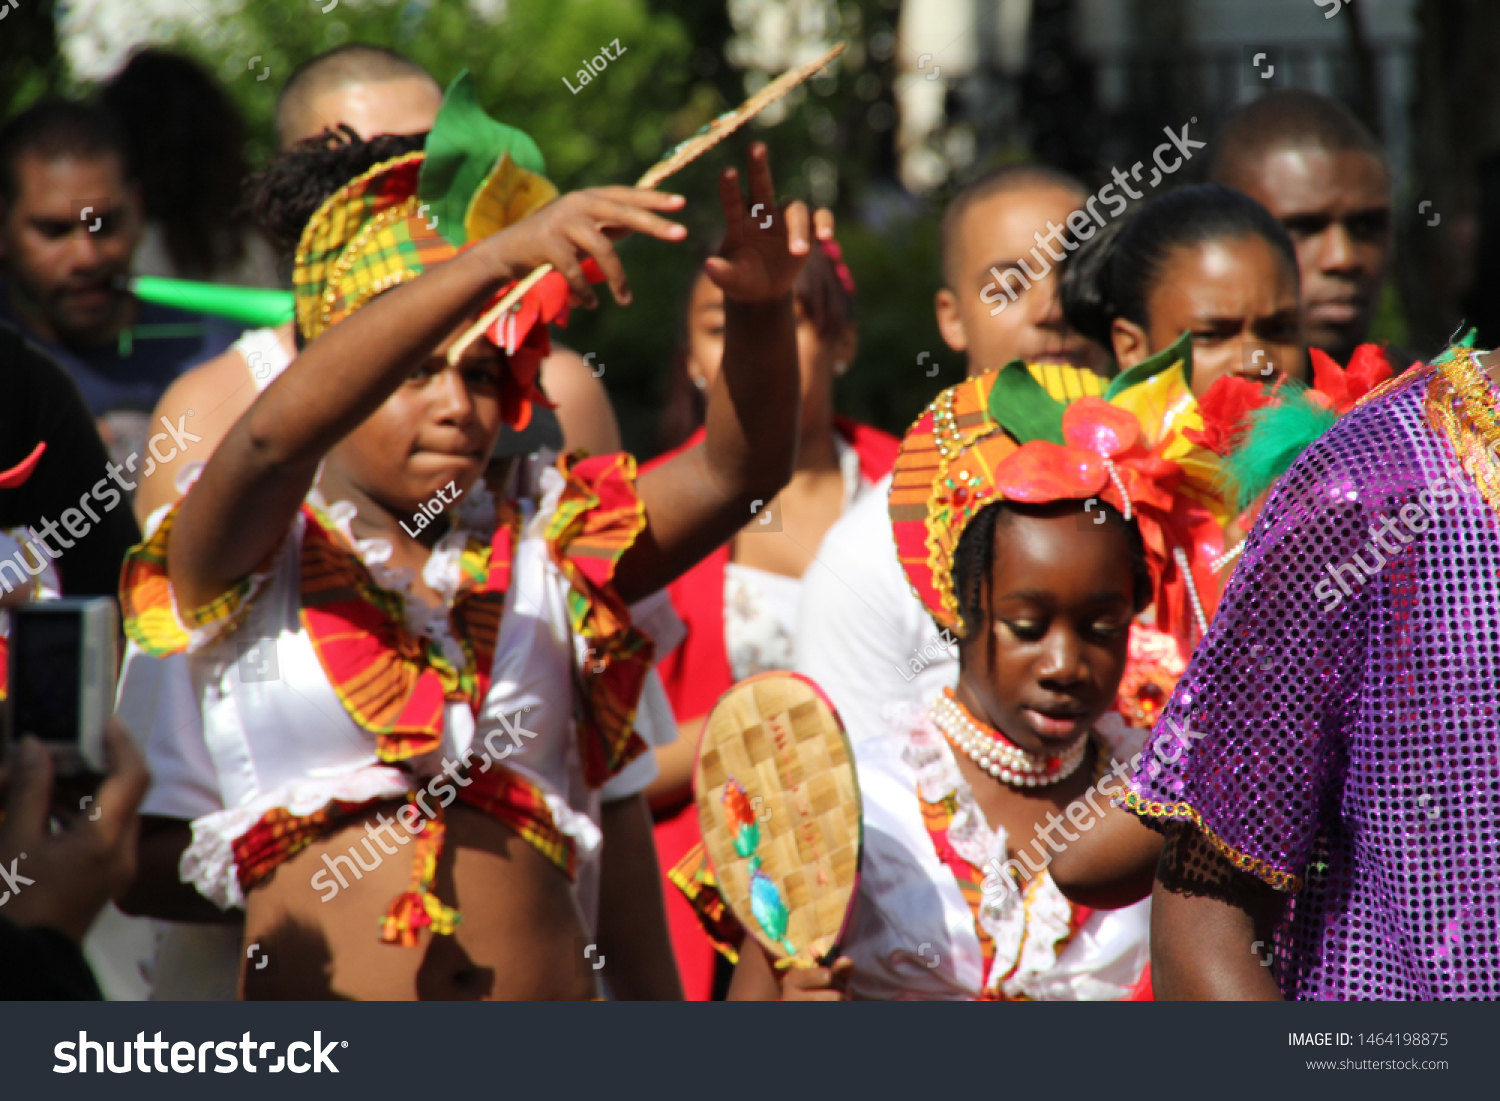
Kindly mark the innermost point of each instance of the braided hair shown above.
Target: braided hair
(974, 558)
(284, 196)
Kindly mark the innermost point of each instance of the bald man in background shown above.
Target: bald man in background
(371, 90)
(1322, 174)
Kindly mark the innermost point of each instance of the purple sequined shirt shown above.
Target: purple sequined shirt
(1337, 732)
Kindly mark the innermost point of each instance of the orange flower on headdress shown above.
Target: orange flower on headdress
(1104, 456)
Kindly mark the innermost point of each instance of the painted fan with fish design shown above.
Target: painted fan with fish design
(780, 814)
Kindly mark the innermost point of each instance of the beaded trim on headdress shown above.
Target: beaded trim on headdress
(940, 480)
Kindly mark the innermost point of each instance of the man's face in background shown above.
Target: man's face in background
(65, 265)
(1336, 205)
(998, 232)
(405, 105)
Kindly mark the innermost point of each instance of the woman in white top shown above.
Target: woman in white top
(428, 645)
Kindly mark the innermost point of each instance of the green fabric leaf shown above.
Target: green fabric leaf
(1023, 407)
(1154, 366)
(463, 149)
(1277, 437)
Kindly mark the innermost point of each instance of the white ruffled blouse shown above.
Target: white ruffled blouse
(913, 933)
(277, 735)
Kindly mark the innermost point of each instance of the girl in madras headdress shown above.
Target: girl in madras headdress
(1034, 531)
(365, 686)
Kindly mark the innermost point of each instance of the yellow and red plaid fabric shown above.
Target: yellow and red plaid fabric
(599, 516)
(694, 877)
(503, 795)
(522, 806)
(937, 817)
(367, 237)
(151, 620)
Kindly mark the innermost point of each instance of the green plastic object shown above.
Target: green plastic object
(248, 305)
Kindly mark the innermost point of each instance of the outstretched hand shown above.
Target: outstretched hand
(764, 246)
(586, 223)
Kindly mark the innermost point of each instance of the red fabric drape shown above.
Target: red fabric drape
(697, 673)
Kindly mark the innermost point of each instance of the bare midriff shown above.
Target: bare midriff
(520, 936)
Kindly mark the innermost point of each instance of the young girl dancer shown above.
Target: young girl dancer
(343, 522)
(1035, 532)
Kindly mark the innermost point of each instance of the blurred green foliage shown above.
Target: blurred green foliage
(30, 66)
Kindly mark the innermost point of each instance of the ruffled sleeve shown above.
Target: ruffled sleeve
(152, 618)
(597, 517)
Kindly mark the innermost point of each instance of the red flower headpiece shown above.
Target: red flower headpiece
(522, 334)
(963, 455)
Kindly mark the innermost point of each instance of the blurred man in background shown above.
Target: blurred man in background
(1320, 171)
(859, 624)
(70, 220)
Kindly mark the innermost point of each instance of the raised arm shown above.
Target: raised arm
(702, 497)
(256, 480)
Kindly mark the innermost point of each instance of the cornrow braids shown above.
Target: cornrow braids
(973, 562)
(287, 192)
(974, 558)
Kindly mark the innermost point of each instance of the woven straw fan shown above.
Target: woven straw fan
(679, 158)
(780, 814)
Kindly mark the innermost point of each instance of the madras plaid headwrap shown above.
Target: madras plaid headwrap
(367, 237)
(940, 467)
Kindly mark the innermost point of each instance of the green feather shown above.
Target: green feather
(1023, 407)
(1150, 368)
(1278, 434)
(463, 149)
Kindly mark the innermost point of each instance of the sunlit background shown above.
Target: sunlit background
(928, 94)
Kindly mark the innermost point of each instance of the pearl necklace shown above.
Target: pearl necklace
(993, 752)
